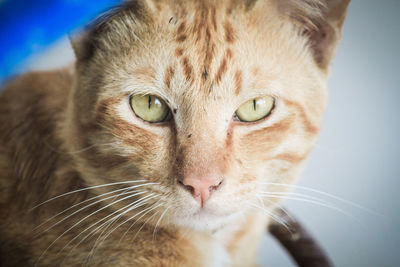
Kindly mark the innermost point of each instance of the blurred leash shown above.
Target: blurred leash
(298, 242)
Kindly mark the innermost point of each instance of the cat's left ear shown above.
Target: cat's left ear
(321, 21)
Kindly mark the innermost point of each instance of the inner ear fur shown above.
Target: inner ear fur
(82, 44)
(321, 21)
(85, 42)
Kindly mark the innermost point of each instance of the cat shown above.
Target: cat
(173, 137)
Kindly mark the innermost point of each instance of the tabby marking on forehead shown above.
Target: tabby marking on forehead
(178, 52)
(169, 74)
(201, 20)
(229, 33)
(204, 27)
(209, 49)
(221, 70)
(187, 69)
(238, 82)
(180, 33)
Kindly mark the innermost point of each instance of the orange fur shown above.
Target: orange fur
(64, 130)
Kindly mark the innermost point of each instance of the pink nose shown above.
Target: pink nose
(201, 188)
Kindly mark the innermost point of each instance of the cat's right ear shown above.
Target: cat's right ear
(82, 44)
(84, 40)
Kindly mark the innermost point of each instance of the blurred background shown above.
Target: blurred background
(357, 156)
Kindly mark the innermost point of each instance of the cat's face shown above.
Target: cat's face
(201, 165)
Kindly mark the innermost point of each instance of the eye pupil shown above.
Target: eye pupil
(255, 109)
(149, 105)
(149, 108)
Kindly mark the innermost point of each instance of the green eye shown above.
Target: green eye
(149, 108)
(255, 109)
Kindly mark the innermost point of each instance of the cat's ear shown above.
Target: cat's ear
(82, 44)
(86, 40)
(321, 21)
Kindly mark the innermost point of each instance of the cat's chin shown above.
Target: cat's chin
(205, 220)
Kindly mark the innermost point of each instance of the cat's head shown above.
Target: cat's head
(203, 105)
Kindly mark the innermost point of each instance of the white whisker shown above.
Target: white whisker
(112, 221)
(316, 203)
(82, 202)
(272, 215)
(100, 240)
(137, 203)
(83, 208)
(277, 205)
(143, 224)
(88, 188)
(325, 194)
(284, 194)
(147, 209)
(159, 220)
(92, 204)
(76, 224)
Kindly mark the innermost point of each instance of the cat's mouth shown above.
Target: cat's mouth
(212, 220)
(204, 211)
(206, 218)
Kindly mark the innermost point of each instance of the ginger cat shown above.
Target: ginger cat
(165, 145)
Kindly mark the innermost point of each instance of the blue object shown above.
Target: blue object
(29, 26)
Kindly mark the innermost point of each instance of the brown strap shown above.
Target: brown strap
(304, 250)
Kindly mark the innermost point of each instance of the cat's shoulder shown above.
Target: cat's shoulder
(31, 108)
(34, 100)
(33, 85)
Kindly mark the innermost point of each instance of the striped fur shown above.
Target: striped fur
(73, 128)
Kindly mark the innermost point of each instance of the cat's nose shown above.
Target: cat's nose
(201, 188)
